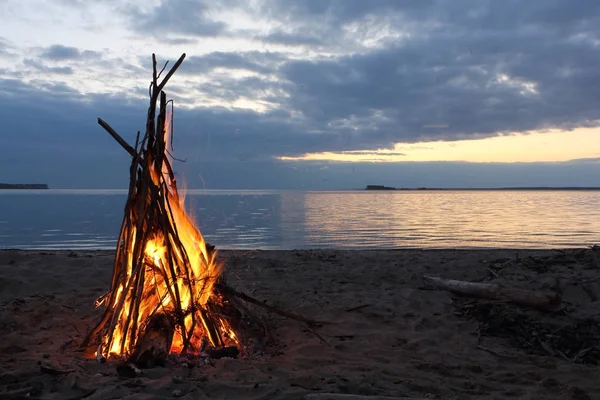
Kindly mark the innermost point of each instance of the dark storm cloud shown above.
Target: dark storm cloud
(473, 73)
(477, 69)
(64, 146)
(38, 66)
(292, 39)
(177, 16)
(179, 40)
(355, 75)
(338, 11)
(481, 15)
(59, 52)
(223, 134)
(209, 134)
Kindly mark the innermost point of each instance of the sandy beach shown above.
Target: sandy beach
(389, 334)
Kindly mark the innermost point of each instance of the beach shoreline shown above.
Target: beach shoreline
(388, 336)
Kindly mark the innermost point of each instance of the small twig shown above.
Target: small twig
(308, 328)
(582, 353)
(358, 307)
(547, 348)
(68, 307)
(175, 158)
(162, 70)
(496, 353)
(563, 355)
(342, 337)
(493, 273)
(74, 326)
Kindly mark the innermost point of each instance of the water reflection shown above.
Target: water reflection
(440, 219)
(238, 221)
(89, 219)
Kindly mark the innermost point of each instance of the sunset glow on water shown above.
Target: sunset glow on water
(338, 219)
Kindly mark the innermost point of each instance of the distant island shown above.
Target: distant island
(23, 186)
(381, 187)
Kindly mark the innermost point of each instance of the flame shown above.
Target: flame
(197, 271)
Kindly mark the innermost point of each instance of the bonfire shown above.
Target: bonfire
(167, 294)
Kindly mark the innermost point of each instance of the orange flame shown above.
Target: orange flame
(197, 272)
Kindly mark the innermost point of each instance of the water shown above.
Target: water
(91, 219)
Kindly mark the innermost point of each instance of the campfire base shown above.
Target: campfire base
(153, 348)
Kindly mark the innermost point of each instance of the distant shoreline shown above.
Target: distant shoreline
(388, 188)
(23, 186)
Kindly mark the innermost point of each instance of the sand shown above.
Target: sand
(405, 342)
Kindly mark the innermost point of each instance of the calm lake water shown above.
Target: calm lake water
(90, 219)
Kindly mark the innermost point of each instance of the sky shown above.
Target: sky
(313, 94)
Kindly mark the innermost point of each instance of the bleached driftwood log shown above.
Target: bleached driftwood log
(495, 291)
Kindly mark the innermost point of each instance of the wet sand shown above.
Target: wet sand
(388, 335)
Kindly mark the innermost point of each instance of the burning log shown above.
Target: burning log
(494, 291)
(167, 294)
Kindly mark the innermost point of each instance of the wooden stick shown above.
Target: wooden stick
(358, 307)
(544, 300)
(229, 290)
(118, 137)
(171, 72)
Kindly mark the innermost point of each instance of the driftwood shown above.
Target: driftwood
(494, 291)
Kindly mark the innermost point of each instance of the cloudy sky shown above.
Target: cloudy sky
(310, 94)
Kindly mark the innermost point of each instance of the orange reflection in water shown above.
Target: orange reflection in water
(442, 219)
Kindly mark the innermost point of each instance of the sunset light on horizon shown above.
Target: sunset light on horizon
(546, 146)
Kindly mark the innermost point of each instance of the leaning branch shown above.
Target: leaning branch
(117, 137)
(229, 290)
(157, 89)
(170, 73)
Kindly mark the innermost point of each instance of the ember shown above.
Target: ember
(163, 292)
